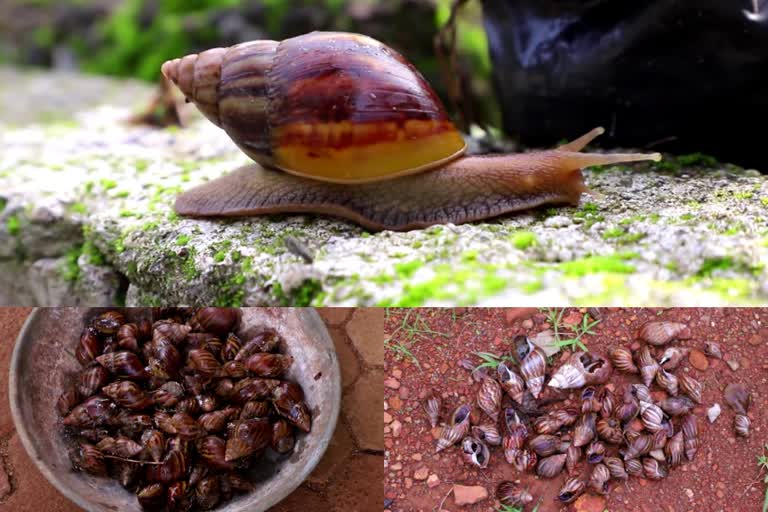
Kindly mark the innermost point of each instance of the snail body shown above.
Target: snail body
(343, 125)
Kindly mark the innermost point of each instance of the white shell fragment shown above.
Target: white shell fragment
(713, 413)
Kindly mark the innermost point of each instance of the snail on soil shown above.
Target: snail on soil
(361, 135)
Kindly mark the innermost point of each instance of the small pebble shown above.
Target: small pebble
(433, 481)
(421, 474)
(392, 383)
(396, 428)
(689, 493)
(698, 359)
(733, 364)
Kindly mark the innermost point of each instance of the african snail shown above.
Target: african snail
(360, 134)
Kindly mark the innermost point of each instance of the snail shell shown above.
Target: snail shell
(580, 369)
(571, 490)
(661, 333)
(622, 360)
(456, 429)
(674, 449)
(333, 108)
(511, 383)
(511, 495)
(741, 425)
(552, 466)
(489, 398)
(648, 365)
(667, 381)
(690, 436)
(599, 479)
(690, 387)
(616, 468)
(475, 452)
(432, 407)
(489, 434)
(651, 416)
(532, 368)
(653, 470)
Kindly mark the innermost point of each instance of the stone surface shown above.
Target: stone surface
(86, 217)
(5, 483)
(469, 494)
(335, 316)
(339, 451)
(348, 363)
(590, 503)
(367, 323)
(357, 487)
(362, 408)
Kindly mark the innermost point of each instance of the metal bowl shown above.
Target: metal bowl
(43, 362)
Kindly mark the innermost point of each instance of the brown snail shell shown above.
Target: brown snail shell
(573, 456)
(489, 434)
(432, 406)
(489, 398)
(544, 445)
(456, 429)
(580, 369)
(672, 357)
(220, 321)
(511, 495)
(609, 429)
(92, 379)
(741, 425)
(599, 479)
(647, 364)
(512, 384)
(168, 394)
(89, 347)
(532, 369)
(638, 446)
(713, 350)
(676, 405)
(737, 396)
(633, 467)
(616, 468)
(551, 466)
(674, 449)
(123, 364)
(88, 458)
(67, 400)
(208, 492)
(585, 429)
(667, 381)
(152, 496)
(96, 411)
(651, 415)
(690, 436)
(268, 365)
(595, 452)
(174, 466)
(213, 449)
(128, 394)
(475, 452)
(622, 360)
(653, 469)
(108, 323)
(153, 442)
(283, 439)
(524, 460)
(572, 489)
(661, 333)
(247, 437)
(691, 387)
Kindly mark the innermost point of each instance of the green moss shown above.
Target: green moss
(407, 268)
(712, 265)
(733, 287)
(119, 245)
(302, 296)
(150, 225)
(78, 208)
(219, 256)
(3, 203)
(182, 240)
(122, 194)
(107, 184)
(523, 239)
(743, 195)
(615, 232)
(129, 213)
(699, 159)
(532, 286)
(13, 224)
(596, 264)
(631, 220)
(763, 200)
(469, 256)
(687, 216)
(188, 267)
(92, 253)
(70, 270)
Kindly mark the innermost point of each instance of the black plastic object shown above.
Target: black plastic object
(679, 76)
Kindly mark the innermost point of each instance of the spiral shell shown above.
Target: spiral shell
(124, 365)
(532, 369)
(510, 494)
(690, 436)
(609, 430)
(153, 443)
(568, 376)
(489, 398)
(585, 430)
(524, 460)
(639, 392)
(67, 400)
(168, 394)
(231, 347)
(208, 492)
(667, 381)
(213, 449)
(580, 369)
(661, 333)
(151, 496)
(573, 456)
(616, 468)
(247, 437)
(544, 445)
(88, 458)
(268, 365)
(676, 405)
(432, 407)
(512, 384)
(204, 362)
(638, 446)
(651, 416)
(672, 357)
(653, 469)
(713, 350)
(96, 411)
(341, 131)
(475, 452)
(89, 347)
(741, 425)
(599, 479)
(552, 466)
(92, 379)
(174, 466)
(170, 330)
(108, 323)
(595, 452)
(647, 364)
(691, 387)
(737, 396)
(456, 429)
(283, 439)
(489, 434)
(622, 360)
(674, 449)
(128, 394)
(571, 490)
(122, 446)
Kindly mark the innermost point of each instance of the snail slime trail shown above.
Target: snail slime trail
(358, 134)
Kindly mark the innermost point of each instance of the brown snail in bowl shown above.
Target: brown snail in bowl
(359, 134)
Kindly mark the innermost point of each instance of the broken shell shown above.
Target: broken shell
(512, 384)
(672, 357)
(713, 413)
(571, 490)
(713, 350)
(676, 405)
(489, 398)
(584, 431)
(510, 494)
(647, 364)
(544, 445)
(622, 360)
(653, 469)
(475, 452)
(595, 452)
(616, 468)
(432, 406)
(661, 333)
(667, 381)
(573, 456)
(609, 429)
(599, 479)
(489, 434)
(690, 436)
(532, 369)
(674, 449)
(690, 387)
(651, 416)
(580, 369)
(737, 396)
(550, 467)
(741, 425)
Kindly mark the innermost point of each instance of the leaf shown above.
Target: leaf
(547, 342)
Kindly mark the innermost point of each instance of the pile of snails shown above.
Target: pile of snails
(178, 409)
(608, 436)
(342, 124)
